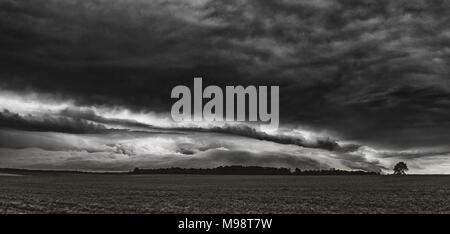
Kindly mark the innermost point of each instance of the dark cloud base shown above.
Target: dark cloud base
(371, 72)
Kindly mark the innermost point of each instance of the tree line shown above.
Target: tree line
(248, 170)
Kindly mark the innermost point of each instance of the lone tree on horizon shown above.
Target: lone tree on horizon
(400, 168)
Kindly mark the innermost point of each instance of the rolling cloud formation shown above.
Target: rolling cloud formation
(363, 84)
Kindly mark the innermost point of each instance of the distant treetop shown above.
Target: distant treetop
(400, 168)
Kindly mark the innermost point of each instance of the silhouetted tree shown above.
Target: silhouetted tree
(400, 168)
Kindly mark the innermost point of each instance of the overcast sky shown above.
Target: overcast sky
(363, 84)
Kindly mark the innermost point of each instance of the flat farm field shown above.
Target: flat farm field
(95, 193)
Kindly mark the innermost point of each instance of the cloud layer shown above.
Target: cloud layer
(353, 75)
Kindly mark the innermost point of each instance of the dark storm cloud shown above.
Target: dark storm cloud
(92, 116)
(77, 121)
(18, 140)
(247, 131)
(48, 123)
(237, 130)
(371, 71)
(115, 53)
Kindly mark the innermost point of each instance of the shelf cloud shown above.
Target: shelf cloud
(363, 84)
